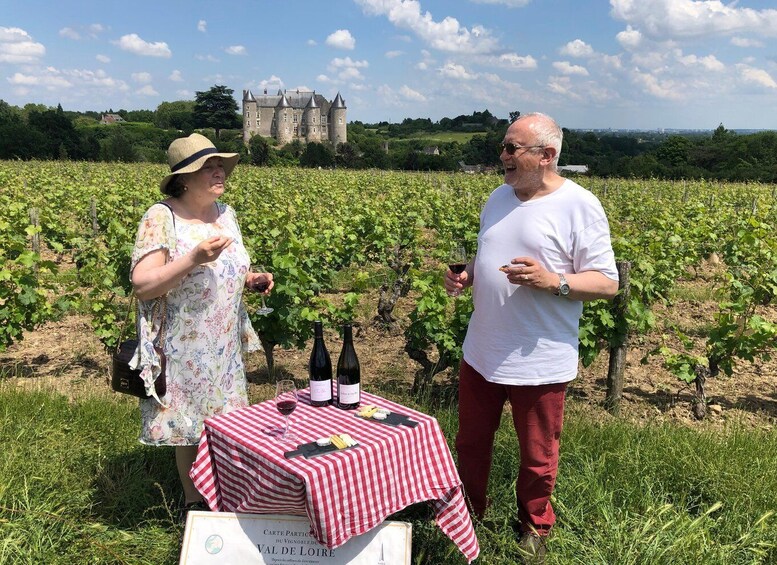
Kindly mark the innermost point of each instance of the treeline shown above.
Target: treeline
(39, 132)
(722, 155)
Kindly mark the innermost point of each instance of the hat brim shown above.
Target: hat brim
(230, 161)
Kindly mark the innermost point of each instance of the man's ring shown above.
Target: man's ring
(524, 277)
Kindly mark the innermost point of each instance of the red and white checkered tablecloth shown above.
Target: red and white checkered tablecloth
(240, 467)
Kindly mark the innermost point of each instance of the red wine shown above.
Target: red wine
(261, 286)
(320, 369)
(457, 268)
(286, 407)
(348, 373)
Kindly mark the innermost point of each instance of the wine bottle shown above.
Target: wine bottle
(320, 369)
(348, 373)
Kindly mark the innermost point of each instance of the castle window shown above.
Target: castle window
(248, 114)
(295, 118)
(339, 120)
(323, 120)
(248, 123)
(296, 131)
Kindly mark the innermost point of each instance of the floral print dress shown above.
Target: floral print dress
(206, 329)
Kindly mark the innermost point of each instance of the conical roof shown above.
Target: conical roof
(338, 102)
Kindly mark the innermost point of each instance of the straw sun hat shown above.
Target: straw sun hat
(188, 154)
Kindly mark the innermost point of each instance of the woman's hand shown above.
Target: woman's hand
(254, 281)
(209, 249)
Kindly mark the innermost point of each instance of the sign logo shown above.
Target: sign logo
(214, 544)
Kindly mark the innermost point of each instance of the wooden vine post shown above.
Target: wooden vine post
(35, 222)
(617, 365)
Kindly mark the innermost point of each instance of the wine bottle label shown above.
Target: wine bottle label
(348, 394)
(321, 390)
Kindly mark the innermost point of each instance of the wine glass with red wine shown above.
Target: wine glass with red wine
(261, 287)
(286, 402)
(457, 262)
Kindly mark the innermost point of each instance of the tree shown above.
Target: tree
(216, 108)
(260, 150)
(317, 155)
(514, 116)
(176, 115)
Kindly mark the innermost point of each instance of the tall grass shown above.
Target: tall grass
(76, 487)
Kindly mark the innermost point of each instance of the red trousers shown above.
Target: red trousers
(538, 415)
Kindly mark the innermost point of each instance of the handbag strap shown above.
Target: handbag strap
(126, 319)
(161, 304)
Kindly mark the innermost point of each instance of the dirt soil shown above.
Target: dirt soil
(65, 355)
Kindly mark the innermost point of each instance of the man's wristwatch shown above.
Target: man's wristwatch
(563, 286)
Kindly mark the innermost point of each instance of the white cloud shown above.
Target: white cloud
(665, 89)
(341, 39)
(208, 58)
(756, 76)
(508, 3)
(134, 44)
(456, 71)
(394, 54)
(176, 76)
(709, 63)
(630, 38)
(410, 94)
(566, 68)
(445, 35)
(311, 42)
(236, 50)
(76, 79)
(47, 80)
(347, 69)
(273, 83)
(577, 48)
(745, 42)
(92, 30)
(563, 87)
(142, 78)
(514, 61)
(147, 90)
(185, 93)
(324, 79)
(17, 47)
(202, 26)
(70, 33)
(693, 18)
(103, 58)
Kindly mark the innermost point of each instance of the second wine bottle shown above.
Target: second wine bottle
(348, 373)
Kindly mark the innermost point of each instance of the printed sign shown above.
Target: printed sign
(273, 539)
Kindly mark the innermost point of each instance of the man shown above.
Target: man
(543, 248)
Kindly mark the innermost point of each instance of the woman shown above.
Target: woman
(189, 254)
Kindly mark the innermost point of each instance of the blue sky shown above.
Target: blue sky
(642, 64)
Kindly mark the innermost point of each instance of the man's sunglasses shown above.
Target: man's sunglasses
(511, 148)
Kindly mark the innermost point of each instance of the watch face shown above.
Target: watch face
(564, 289)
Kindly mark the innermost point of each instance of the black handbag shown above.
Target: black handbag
(127, 380)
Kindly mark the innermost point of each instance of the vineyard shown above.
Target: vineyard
(349, 245)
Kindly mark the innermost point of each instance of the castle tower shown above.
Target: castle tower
(312, 120)
(250, 115)
(284, 118)
(336, 119)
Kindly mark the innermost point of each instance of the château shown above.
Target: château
(290, 115)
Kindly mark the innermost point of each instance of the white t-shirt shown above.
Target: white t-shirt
(524, 336)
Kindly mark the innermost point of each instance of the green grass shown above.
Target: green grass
(76, 487)
(448, 136)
